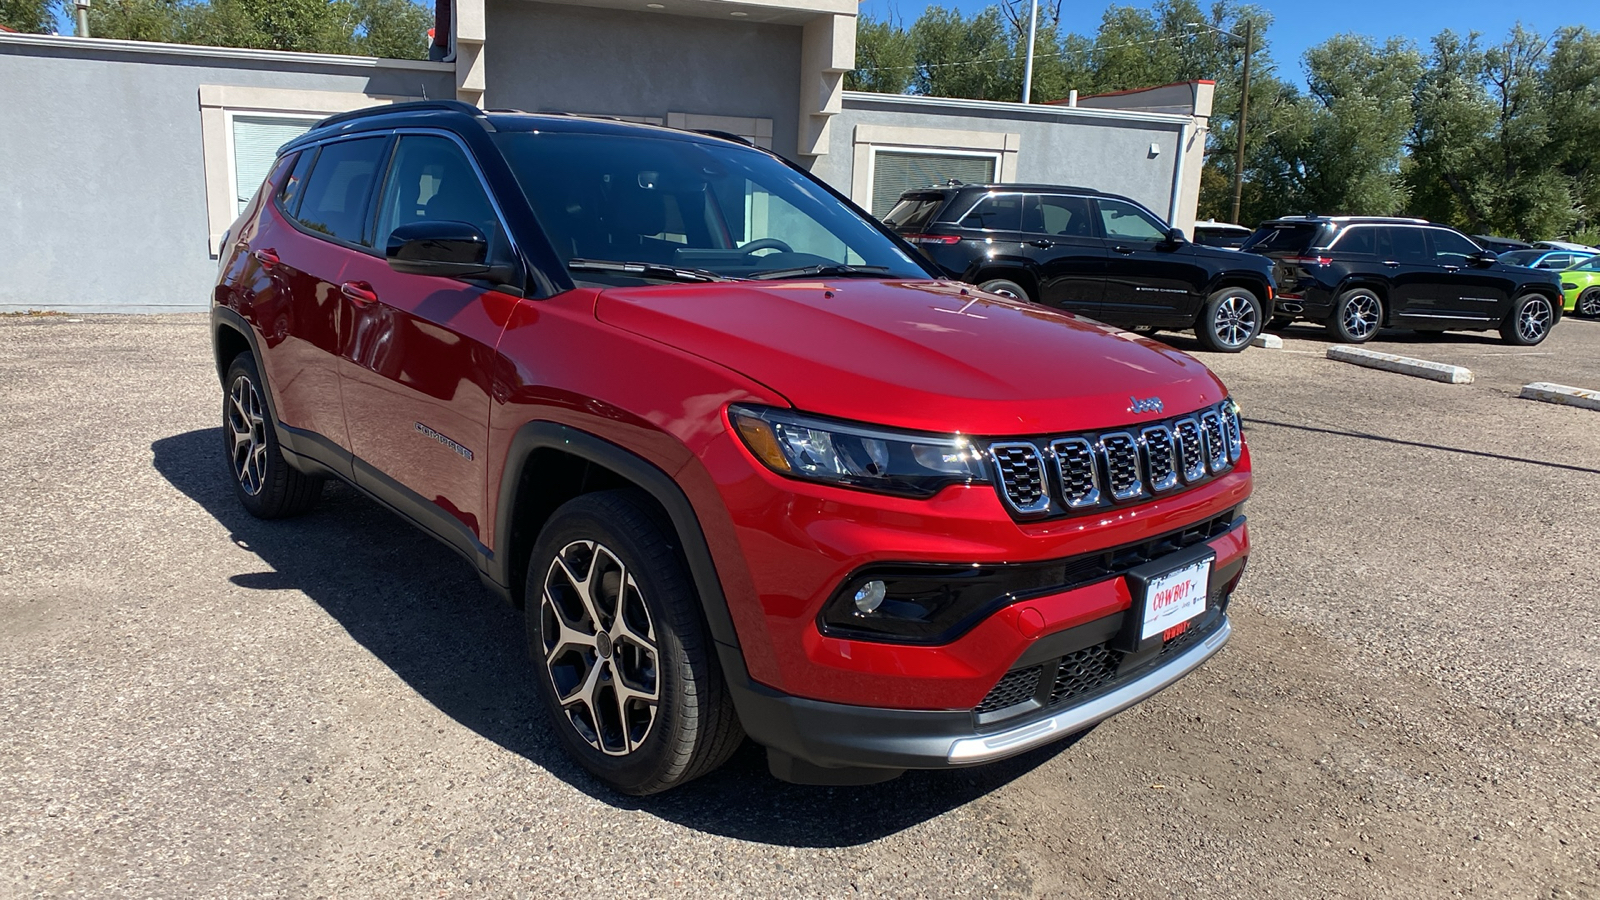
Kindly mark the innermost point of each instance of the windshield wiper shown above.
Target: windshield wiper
(825, 269)
(648, 270)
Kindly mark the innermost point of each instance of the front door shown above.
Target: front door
(1464, 292)
(420, 353)
(1068, 257)
(1149, 281)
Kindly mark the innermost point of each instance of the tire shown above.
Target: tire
(1006, 288)
(1229, 321)
(1588, 305)
(266, 485)
(1357, 316)
(1278, 323)
(1529, 322)
(610, 605)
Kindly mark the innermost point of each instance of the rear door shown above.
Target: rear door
(1066, 253)
(321, 213)
(1408, 267)
(990, 233)
(419, 355)
(1147, 282)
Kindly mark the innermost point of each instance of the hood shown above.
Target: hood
(931, 356)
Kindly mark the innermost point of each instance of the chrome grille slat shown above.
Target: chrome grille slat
(1102, 469)
(1078, 468)
(1122, 465)
(1160, 458)
(1022, 479)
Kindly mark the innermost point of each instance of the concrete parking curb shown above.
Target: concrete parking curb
(1561, 394)
(1404, 365)
(1269, 341)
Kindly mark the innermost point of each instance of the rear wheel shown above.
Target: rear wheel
(1006, 288)
(1588, 304)
(1357, 315)
(1230, 319)
(1530, 320)
(626, 667)
(266, 485)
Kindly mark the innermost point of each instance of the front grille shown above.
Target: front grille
(1081, 672)
(1016, 687)
(1081, 472)
(1122, 466)
(1022, 476)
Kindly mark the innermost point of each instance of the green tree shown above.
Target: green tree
(886, 58)
(960, 57)
(392, 28)
(28, 16)
(1452, 118)
(1571, 82)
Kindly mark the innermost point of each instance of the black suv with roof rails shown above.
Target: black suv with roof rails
(1356, 274)
(1089, 252)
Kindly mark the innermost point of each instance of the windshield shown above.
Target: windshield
(1521, 257)
(714, 208)
(1592, 264)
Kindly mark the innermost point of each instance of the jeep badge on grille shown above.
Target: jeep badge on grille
(1148, 404)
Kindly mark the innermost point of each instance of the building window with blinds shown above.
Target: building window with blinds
(254, 141)
(896, 171)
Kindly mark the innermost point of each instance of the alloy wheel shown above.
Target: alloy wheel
(599, 646)
(1534, 320)
(1236, 321)
(1361, 316)
(1589, 304)
(247, 429)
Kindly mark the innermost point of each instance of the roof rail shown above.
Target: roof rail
(724, 135)
(409, 106)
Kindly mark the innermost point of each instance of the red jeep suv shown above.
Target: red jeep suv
(749, 464)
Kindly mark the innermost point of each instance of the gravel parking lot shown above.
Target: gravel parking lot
(197, 703)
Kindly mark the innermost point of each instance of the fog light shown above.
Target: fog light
(869, 596)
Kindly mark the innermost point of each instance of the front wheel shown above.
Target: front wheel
(1588, 304)
(1230, 320)
(1529, 322)
(627, 671)
(1357, 315)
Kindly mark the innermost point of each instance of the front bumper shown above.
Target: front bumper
(814, 742)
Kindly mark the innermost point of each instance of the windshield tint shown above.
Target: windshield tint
(721, 208)
(1521, 257)
(1281, 237)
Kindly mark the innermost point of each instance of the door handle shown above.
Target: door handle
(1451, 268)
(1391, 263)
(1122, 249)
(267, 258)
(358, 292)
(1042, 245)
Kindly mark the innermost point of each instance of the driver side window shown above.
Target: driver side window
(1124, 220)
(431, 180)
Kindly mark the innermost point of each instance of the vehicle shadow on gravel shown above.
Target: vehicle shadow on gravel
(421, 610)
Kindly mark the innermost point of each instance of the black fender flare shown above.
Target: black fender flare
(642, 473)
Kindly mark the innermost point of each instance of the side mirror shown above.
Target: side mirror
(448, 249)
(1484, 258)
(1176, 236)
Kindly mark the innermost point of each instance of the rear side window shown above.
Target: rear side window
(995, 212)
(1358, 239)
(1282, 237)
(335, 195)
(1555, 261)
(912, 214)
(1059, 215)
(289, 196)
(1403, 244)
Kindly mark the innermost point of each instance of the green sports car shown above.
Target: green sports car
(1580, 288)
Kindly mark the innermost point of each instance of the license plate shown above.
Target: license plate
(1175, 598)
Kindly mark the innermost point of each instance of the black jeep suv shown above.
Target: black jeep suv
(1358, 274)
(1088, 252)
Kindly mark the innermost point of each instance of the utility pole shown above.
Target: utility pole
(1244, 113)
(1027, 74)
(82, 21)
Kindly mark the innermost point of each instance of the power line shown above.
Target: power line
(1001, 59)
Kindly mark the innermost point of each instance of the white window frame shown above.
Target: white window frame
(1002, 146)
(233, 160)
(219, 103)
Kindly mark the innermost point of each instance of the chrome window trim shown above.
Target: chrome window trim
(1045, 495)
(1097, 490)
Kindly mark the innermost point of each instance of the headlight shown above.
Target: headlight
(859, 456)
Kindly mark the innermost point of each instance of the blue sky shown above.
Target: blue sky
(1301, 24)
